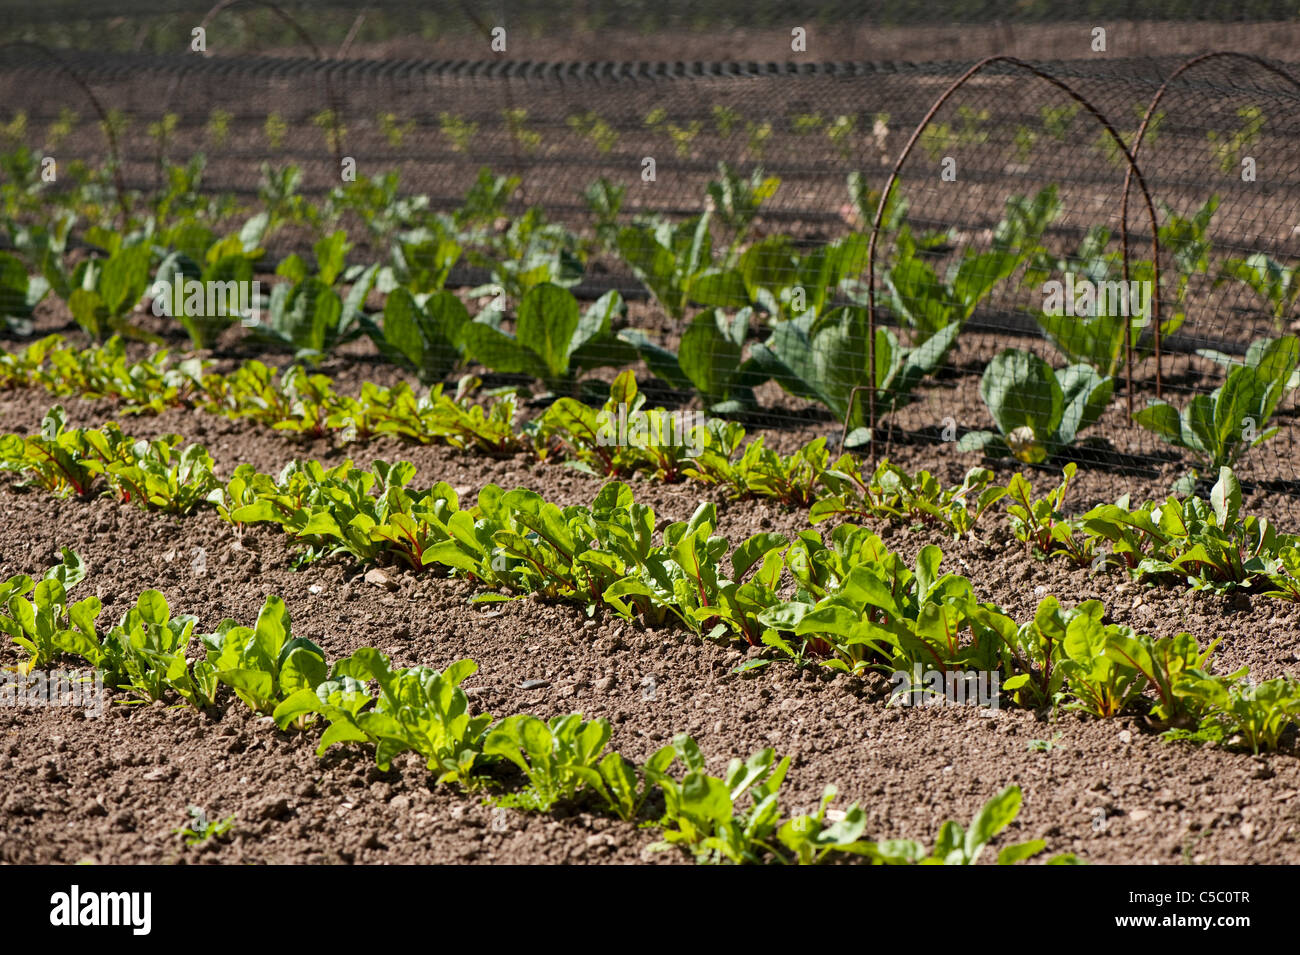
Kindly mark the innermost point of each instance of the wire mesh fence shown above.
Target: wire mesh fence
(1089, 258)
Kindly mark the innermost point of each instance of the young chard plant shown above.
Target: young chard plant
(1220, 427)
(265, 664)
(559, 757)
(419, 710)
(44, 624)
(1273, 281)
(956, 845)
(704, 814)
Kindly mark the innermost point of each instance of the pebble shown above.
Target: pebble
(380, 578)
(534, 684)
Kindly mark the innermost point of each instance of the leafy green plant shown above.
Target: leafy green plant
(709, 355)
(1219, 427)
(560, 756)
(929, 305)
(1040, 522)
(590, 125)
(553, 340)
(788, 284)
(306, 313)
(423, 333)
(1210, 544)
(892, 493)
(758, 471)
(1101, 684)
(622, 436)
(676, 264)
(1271, 280)
(227, 264)
(956, 845)
(333, 510)
(1039, 412)
(1093, 332)
(883, 614)
(421, 261)
(736, 202)
(812, 837)
(1257, 712)
(154, 474)
(384, 210)
(38, 624)
(620, 788)
(459, 130)
(152, 644)
(1163, 662)
(604, 201)
(1034, 650)
(19, 294)
(264, 664)
(529, 251)
(104, 291)
(59, 459)
(825, 359)
(394, 131)
(516, 119)
(1286, 575)
(158, 477)
(701, 812)
(1226, 150)
(418, 710)
(1093, 314)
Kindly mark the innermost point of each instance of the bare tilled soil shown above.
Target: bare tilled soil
(113, 789)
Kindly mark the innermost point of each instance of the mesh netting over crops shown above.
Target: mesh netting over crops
(1012, 180)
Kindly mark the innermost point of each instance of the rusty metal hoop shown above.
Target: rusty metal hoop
(1137, 147)
(893, 179)
(119, 185)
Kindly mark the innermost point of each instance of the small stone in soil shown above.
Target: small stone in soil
(379, 578)
(534, 684)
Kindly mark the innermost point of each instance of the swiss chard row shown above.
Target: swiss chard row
(1207, 544)
(362, 700)
(1210, 544)
(619, 439)
(844, 600)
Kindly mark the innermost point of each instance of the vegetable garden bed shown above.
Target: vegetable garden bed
(380, 567)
